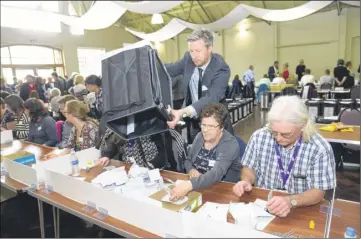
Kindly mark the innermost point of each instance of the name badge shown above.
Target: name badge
(39, 128)
(211, 163)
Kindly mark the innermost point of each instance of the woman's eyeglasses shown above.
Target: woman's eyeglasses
(206, 126)
(283, 135)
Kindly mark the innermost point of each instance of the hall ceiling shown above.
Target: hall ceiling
(199, 12)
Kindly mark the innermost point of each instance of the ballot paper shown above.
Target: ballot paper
(115, 177)
(217, 212)
(166, 198)
(137, 171)
(251, 215)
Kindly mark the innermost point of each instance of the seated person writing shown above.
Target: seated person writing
(42, 129)
(84, 131)
(148, 151)
(288, 155)
(214, 155)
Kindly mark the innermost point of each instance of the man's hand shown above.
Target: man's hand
(177, 115)
(194, 173)
(102, 161)
(241, 187)
(279, 206)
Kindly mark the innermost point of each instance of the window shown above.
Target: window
(30, 15)
(90, 61)
(21, 60)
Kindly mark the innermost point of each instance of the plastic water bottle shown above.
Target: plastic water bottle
(350, 233)
(75, 170)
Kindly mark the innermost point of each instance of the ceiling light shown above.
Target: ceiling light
(157, 19)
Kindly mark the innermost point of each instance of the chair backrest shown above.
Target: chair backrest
(289, 91)
(309, 91)
(350, 117)
(326, 86)
(242, 147)
(59, 129)
(355, 92)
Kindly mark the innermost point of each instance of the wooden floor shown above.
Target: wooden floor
(348, 180)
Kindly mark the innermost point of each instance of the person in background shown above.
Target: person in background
(340, 73)
(70, 82)
(237, 82)
(79, 90)
(214, 155)
(278, 80)
(50, 84)
(55, 95)
(93, 83)
(265, 80)
(300, 70)
(13, 86)
(249, 79)
(27, 87)
(65, 133)
(40, 89)
(6, 117)
(58, 82)
(42, 128)
(273, 71)
(178, 92)
(292, 80)
(285, 73)
(350, 79)
(84, 131)
(4, 94)
(326, 78)
(288, 154)
(206, 77)
(15, 105)
(4, 86)
(307, 78)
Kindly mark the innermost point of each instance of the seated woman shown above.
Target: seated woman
(148, 151)
(84, 131)
(55, 95)
(6, 117)
(15, 105)
(214, 155)
(42, 128)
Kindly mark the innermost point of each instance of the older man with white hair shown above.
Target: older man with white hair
(288, 154)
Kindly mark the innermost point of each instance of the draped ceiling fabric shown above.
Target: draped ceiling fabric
(149, 7)
(242, 11)
(353, 3)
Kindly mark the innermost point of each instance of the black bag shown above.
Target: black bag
(136, 88)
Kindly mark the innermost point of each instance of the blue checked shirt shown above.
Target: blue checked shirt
(314, 166)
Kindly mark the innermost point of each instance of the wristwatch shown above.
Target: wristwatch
(293, 201)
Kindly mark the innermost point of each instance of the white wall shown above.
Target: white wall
(110, 38)
(320, 39)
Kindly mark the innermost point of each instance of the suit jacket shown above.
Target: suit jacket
(271, 72)
(215, 78)
(60, 84)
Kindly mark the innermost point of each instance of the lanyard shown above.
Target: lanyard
(285, 174)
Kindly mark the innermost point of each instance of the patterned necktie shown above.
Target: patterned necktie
(200, 70)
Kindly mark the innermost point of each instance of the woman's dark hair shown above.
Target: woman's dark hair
(308, 71)
(14, 102)
(327, 71)
(265, 76)
(39, 80)
(93, 80)
(340, 62)
(35, 108)
(348, 64)
(289, 91)
(4, 94)
(236, 77)
(34, 94)
(218, 111)
(54, 74)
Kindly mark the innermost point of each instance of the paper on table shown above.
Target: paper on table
(251, 215)
(179, 202)
(217, 212)
(154, 175)
(112, 177)
(136, 171)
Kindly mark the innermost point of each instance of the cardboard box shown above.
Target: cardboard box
(194, 201)
(22, 157)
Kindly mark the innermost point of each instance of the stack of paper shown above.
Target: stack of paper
(136, 171)
(115, 177)
(217, 212)
(251, 215)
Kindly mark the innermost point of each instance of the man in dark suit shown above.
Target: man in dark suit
(205, 76)
(273, 71)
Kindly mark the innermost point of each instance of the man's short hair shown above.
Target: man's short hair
(201, 34)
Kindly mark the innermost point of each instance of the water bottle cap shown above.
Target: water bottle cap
(350, 231)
